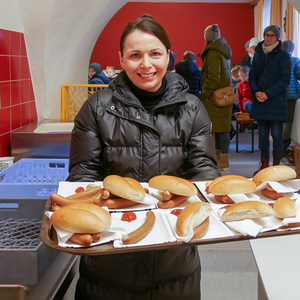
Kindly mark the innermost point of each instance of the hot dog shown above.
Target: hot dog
(201, 230)
(173, 202)
(125, 190)
(174, 190)
(192, 216)
(226, 185)
(274, 173)
(142, 231)
(84, 219)
(85, 239)
(89, 196)
(271, 193)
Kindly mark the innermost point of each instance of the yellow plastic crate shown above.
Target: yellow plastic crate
(73, 96)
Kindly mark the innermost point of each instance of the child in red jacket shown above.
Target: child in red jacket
(244, 94)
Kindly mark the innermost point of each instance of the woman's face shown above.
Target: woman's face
(145, 60)
(270, 38)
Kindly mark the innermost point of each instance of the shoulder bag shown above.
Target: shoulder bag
(224, 96)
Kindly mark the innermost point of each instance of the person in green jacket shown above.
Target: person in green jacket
(216, 75)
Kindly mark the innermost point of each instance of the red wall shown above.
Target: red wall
(184, 23)
(17, 102)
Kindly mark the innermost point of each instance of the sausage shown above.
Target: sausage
(173, 202)
(86, 194)
(167, 195)
(105, 194)
(272, 194)
(63, 201)
(56, 207)
(142, 231)
(200, 230)
(97, 237)
(82, 239)
(115, 203)
(224, 199)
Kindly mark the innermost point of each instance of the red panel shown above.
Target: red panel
(15, 117)
(25, 114)
(31, 91)
(4, 42)
(25, 91)
(25, 73)
(184, 23)
(15, 67)
(4, 68)
(5, 94)
(33, 112)
(15, 92)
(5, 145)
(23, 46)
(5, 120)
(15, 41)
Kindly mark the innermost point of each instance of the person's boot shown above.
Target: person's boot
(223, 162)
(263, 164)
(276, 162)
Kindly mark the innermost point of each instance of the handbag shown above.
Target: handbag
(224, 96)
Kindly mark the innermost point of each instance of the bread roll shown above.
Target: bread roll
(232, 184)
(274, 173)
(192, 215)
(247, 210)
(81, 218)
(285, 208)
(124, 187)
(173, 184)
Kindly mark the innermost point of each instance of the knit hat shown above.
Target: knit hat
(172, 60)
(96, 67)
(253, 42)
(212, 32)
(273, 28)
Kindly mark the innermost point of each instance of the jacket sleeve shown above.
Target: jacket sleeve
(86, 144)
(253, 82)
(214, 63)
(297, 69)
(240, 96)
(202, 154)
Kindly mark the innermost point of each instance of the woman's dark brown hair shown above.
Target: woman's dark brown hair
(146, 23)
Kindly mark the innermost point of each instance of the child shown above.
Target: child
(110, 72)
(244, 93)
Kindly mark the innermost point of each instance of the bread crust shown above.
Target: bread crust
(274, 173)
(173, 184)
(247, 210)
(124, 187)
(285, 208)
(232, 184)
(81, 218)
(192, 215)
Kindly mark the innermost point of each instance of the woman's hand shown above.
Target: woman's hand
(261, 96)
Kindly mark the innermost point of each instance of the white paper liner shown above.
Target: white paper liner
(160, 233)
(216, 228)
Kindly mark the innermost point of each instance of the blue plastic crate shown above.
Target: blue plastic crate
(33, 178)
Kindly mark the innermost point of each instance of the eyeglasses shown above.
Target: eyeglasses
(270, 35)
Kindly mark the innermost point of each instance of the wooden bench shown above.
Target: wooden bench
(242, 119)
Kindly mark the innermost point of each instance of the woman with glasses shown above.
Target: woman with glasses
(269, 77)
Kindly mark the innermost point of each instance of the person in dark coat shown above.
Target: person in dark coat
(216, 75)
(293, 93)
(144, 125)
(96, 75)
(245, 61)
(189, 70)
(270, 75)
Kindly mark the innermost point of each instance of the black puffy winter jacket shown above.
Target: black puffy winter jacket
(114, 134)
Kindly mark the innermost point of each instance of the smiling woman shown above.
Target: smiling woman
(145, 124)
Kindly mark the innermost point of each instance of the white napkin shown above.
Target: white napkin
(216, 228)
(161, 232)
(63, 236)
